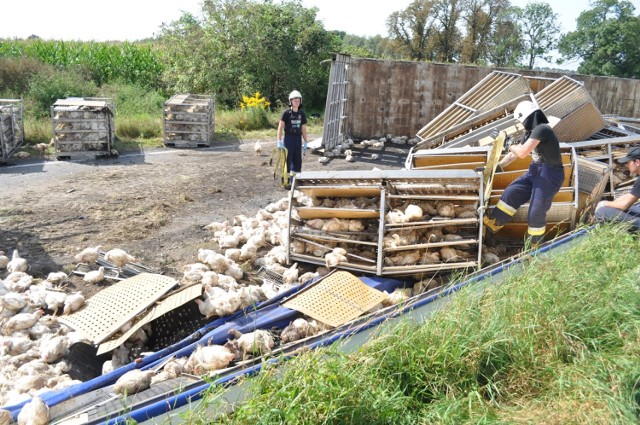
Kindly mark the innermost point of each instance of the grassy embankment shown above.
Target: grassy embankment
(556, 344)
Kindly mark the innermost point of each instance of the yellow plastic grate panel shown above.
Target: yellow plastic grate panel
(109, 309)
(337, 299)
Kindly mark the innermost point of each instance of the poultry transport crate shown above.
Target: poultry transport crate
(607, 151)
(368, 216)
(11, 127)
(83, 128)
(583, 186)
(188, 121)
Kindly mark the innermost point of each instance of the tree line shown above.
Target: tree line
(233, 48)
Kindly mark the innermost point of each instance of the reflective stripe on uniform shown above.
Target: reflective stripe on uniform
(536, 231)
(505, 208)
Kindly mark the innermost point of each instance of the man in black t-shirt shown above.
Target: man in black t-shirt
(625, 207)
(542, 181)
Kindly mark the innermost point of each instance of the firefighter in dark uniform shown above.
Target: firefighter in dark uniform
(541, 182)
(293, 124)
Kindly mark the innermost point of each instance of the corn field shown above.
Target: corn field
(106, 62)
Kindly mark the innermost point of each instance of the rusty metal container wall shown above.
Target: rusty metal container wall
(400, 97)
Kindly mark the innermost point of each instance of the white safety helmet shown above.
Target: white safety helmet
(523, 110)
(295, 94)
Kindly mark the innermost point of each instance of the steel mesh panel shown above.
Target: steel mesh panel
(557, 213)
(488, 93)
(516, 87)
(580, 124)
(336, 299)
(591, 175)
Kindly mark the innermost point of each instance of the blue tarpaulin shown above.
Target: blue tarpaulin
(266, 315)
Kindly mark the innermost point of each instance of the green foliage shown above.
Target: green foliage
(606, 39)
(132, 99)
(16, 73)
(44, 90)
(540, 31)
(243, 46)
(506, 47)
(254, 113)
(557, 343)
(105, 62)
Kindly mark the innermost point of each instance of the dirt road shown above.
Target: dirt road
(152, 204)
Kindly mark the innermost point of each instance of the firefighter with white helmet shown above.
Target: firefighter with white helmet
(541, 182)
(293, 126)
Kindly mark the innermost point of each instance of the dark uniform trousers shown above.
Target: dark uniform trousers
(539, 185)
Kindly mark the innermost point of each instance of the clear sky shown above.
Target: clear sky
(137, 19)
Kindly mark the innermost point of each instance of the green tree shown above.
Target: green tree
(606, 39)
(413, 29)
(480, 18)
(447, 41)
(506, 46)
(239, 47)
(540, 31)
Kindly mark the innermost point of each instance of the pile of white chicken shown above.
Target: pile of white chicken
(34, 344)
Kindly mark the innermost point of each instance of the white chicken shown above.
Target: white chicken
(55, 300)
(22, 321)
(209, 358)
(94, 276)
(54, 349)
(396, 297)
(298, 329)
(35, 412)
(118, 257)
(89, 255)
(14, 301)
(257, 148)
(18, 281)
(134, 381)
(335, 257)
(251, 295)
(17, 263)
(4, 260)
(413, 212)
(256, 342)
(57, 277)
(73, 302)
(291, 274)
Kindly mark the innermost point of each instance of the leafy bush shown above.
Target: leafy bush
(15, 74)
(44, 90)
(253, 113)
(133, 99)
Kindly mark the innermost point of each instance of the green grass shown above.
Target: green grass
(558, 343)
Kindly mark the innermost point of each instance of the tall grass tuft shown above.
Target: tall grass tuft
(558, 343)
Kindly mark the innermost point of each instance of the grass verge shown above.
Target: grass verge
(558, 343)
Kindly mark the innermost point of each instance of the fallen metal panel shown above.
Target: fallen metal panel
(106, 312)
(173, 301)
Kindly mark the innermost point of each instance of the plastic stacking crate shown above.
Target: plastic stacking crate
(83, 128)
(11, 127)
(188, 121)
